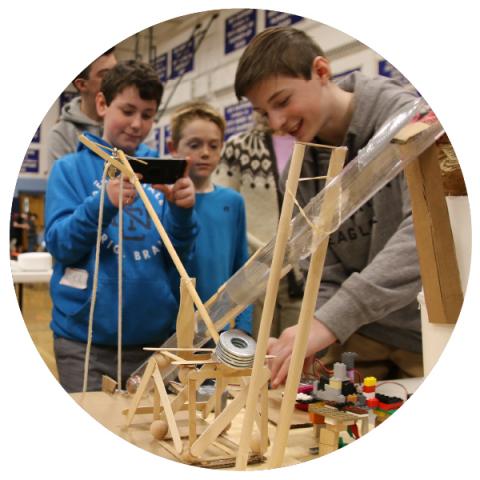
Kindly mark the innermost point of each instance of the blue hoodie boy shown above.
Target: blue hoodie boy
(150, 279)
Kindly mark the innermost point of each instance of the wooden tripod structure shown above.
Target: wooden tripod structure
(337, 160)
(439, 271)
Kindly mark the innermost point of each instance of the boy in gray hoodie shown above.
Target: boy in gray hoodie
(80, 113)
(367, 299)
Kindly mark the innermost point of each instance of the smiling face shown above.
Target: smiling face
(128, 118)
(299, 107)
(291, 105)
(200, 140)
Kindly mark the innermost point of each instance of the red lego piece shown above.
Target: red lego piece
(389, 406)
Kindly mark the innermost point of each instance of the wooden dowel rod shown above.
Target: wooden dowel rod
(125, 167)
(171, 250)
(269, 305)
(177, 349)
(312, 286)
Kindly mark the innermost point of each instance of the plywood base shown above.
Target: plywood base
(220, 454)
(300, 419)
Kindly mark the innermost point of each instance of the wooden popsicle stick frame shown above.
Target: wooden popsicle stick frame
(312, 286)
(337, 159)
(188, 359)
(121, 163)
(253, 391)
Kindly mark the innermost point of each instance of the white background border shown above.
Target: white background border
(44, 44)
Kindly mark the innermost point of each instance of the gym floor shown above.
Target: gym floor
(37, 308)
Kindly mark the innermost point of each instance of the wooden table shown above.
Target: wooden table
(107, 409)
(28, 276)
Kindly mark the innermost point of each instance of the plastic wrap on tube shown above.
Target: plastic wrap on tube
(374, 166)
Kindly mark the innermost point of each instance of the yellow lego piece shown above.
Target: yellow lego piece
(369, 381)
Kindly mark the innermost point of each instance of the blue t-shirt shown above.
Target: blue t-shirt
(221, 245)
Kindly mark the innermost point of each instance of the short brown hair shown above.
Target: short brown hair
(85, 73)
(190, 111)
(276, 51)
(132, 73)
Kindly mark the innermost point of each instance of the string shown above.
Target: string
(95, 282)
(304, 179)
(120, 284)
(314, 227)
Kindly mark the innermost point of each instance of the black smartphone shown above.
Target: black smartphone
(159, 170)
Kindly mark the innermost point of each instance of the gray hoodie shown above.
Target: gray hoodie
(371, 276)
(63, 137)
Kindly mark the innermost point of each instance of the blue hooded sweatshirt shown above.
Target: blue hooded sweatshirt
(221, 246)
(150, 279)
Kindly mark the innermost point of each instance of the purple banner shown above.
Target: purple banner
(240, 29)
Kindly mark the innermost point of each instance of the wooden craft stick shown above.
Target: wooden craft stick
(195, 362)
(167, 408)
(185, 318)
(176, 349)
(157, 409)
(172, 356)
(152, 363)
(219, 389)
(221, 422)
(125, 167)
(171, 250)
(192, 411)
(269, 305)
(264, 419)
(312, 286)
(223, 447)
(169, 449)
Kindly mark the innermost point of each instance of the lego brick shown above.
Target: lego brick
(369, 381)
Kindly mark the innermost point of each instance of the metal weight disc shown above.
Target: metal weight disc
(236, 349)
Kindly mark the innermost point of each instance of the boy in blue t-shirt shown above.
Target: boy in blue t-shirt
(221, 245)
(128, 101)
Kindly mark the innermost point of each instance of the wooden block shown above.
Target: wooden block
(300, 419)
(436, 250)
(409, 131)
(108, 384)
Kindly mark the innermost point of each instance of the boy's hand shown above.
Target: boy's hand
(181, 193)
(113, 191)
(319, 338)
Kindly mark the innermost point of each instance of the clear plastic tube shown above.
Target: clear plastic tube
(375, 165)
